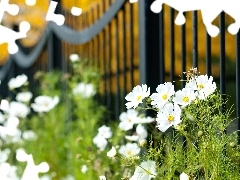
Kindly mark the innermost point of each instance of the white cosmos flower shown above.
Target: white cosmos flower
(142, 132)
(184, 97)
(8, 172)
(29, 135)
(164, 92)
(168, 116)
(130, 149)
(45, 177)
(112, 152)
(191, 84)
(137, 95)
(205, 86)
(4, 105)
(9, 132)
(17, 82)
(84, 90)
(184, 176)
(201, 82)
(69, 177)
(147, 119)
(132, 138)
(100, 140)
(105, 132)
(18, 109)
(44, 103)
(146, 171)
(84, 169)
(4, 155)
(128, 119)
(2, 118)
(24, 97)
(74, 58)
(102, 177)
(204, 90)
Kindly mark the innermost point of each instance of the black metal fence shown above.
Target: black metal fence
(131, 45)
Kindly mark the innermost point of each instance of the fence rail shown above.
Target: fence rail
(132, 45)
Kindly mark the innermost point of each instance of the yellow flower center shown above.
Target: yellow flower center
(129, 152)
(186, 99)
(129, 120)
(139, 98)
(200, 86)
(170, 117)
(165, 96)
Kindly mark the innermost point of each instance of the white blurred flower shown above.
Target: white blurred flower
(164, 92)
(11, 123)
(146, 171)
(84, 169)
(100, 140)
(112, 152)
(45, 177)
(130, 149)
(2, 118)
(18, 109)
(128, 119)
(137, 95)
(4, 155)
(17, 82)
(44, 103)
(74, 58)
(12, 136)
(84, 90)
(9, 132)
(142, 132)
(69, 177)
(184, 97)
(184, 176)
(8, 172)
(24, 96)
(132, 138)
(168, 116)
(105, 132)
(29, 135)
(4, 105)
(147, 119)
(102, 177)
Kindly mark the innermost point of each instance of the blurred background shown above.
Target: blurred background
(126, 41)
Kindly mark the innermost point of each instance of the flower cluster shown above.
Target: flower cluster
(168, 103)
(195, 112)
(12, 117)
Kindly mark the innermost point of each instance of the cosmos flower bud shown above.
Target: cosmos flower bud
(142, 143)
(200, 133)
